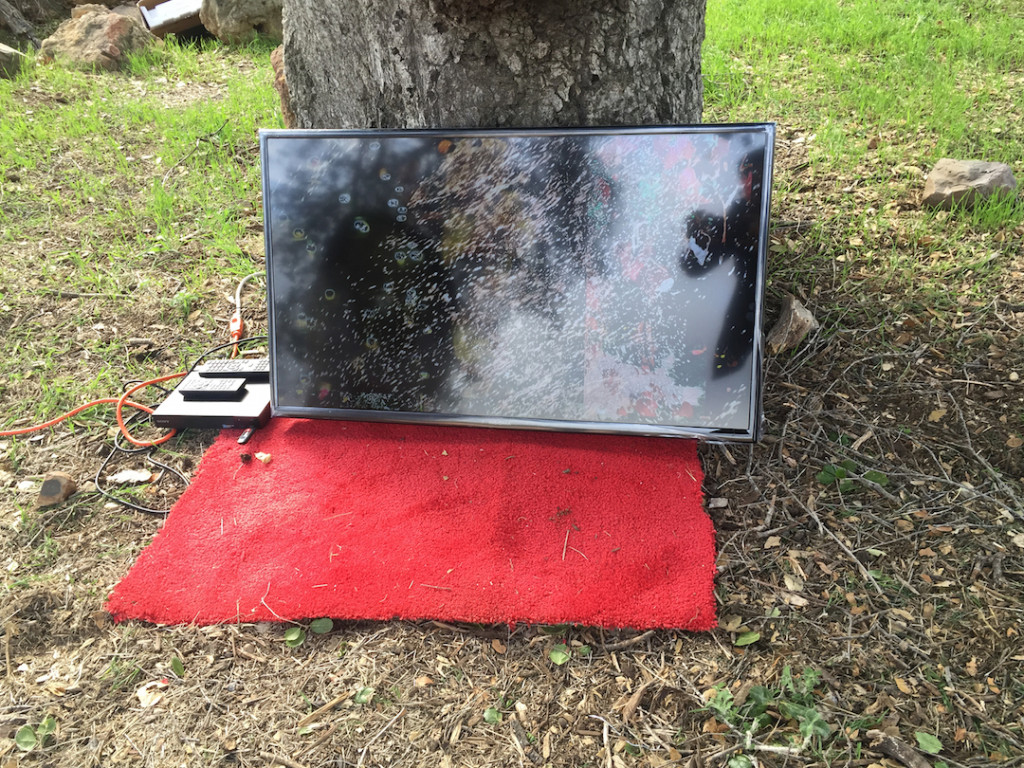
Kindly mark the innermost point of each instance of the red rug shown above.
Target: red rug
(374, 521)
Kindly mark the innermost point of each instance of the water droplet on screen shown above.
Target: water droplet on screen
(299, 234)
(400, 217)
(361, 225)
(374, 145)
(311, 246)
(393, 202)
(385, 175)
(344, 198)
(330, 294)
(399, 189)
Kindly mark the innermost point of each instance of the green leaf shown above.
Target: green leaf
(45, 728)
(827, 476)
(560, 654)
(740, 761)
(746, 638)
(879, 478)
(846, 486)
(294, 636)
(811, 723)
(25, 738)
(321, 626)
(584, 650)
(365, 695)
(928, 743)
(758, 700)
(177, 667)
(492, 715)
(849, 465)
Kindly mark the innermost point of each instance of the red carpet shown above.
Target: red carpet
(374, 521)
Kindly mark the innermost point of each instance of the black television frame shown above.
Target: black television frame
(748, 432)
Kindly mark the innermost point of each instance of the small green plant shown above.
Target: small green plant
(794, 700)
(28, 737)
(842, 475)
(492, 715)
(321, 626)
(560, 654)
(294, 637)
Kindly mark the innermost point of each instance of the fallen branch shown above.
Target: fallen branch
(896, 749)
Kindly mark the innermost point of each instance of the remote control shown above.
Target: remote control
(255, 369)
(196, 387)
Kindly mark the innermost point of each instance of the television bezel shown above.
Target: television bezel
(754, 428)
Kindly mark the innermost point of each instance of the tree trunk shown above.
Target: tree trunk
(488, 63)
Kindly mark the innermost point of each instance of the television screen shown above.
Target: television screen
(603, 280)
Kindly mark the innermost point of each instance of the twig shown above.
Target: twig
(207, 137)
(323, 710)
(377, 735)
(628, 643)
(825, 529)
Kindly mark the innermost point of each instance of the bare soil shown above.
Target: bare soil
(906, 597)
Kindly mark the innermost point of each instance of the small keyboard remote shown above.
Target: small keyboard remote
(255, 369)
(196, 387)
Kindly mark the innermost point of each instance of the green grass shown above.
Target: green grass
(142, 168)
(878, 92)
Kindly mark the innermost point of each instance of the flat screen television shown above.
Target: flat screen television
(591, 279)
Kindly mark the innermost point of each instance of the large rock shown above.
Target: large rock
(965, 182)
(96, 37)
(11, 61)
(236, 21)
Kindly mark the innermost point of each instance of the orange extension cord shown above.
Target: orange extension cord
(121, 402)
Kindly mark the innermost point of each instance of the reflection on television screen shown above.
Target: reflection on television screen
(576, 279)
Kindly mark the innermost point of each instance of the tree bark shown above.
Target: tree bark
(491, 63)
(11, 18)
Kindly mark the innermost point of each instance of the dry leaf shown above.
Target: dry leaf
(772, 542)
(498, 646)
(793, 583)
(130, 477)
(972, 667)
(1014, 442)
(904, 686)
(151, 693)
(264, 457)
(423, 681)
(937, 414)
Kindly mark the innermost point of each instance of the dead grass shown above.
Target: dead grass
(905, 599)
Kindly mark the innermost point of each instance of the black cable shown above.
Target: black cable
(148, 450)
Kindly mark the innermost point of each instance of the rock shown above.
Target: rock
(237, 21)
(56, 487)
(794, 323)
(281, 86)
(964, 182)
(11, 61)
(96, 37)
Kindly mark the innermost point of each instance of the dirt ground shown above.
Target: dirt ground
(889, 599)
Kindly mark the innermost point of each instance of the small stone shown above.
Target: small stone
(965, 182)
(56, 487)
(794, 323)
(11, 61)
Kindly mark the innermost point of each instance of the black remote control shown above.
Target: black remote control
(196, 387)
(254, 369)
